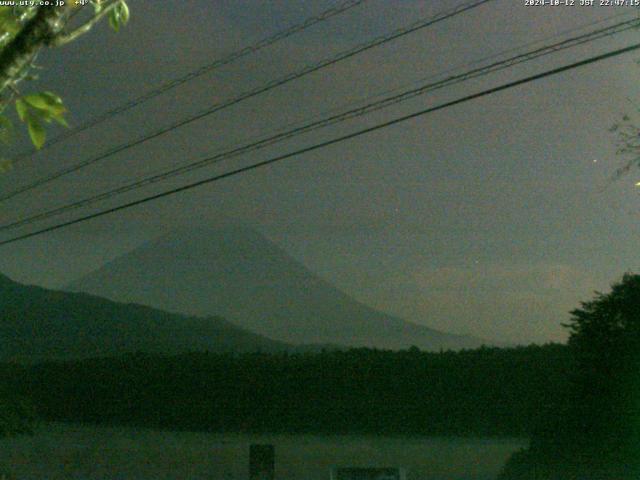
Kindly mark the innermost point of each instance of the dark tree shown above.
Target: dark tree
(605, 339)
(595, 432)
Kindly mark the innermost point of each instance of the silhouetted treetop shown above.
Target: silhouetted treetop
(610, 321)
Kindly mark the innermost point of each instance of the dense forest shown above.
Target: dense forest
(488, 391)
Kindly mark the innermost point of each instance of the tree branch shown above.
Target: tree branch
(38, 32)
(64, 38)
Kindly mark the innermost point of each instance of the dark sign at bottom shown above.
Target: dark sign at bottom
(354, 473)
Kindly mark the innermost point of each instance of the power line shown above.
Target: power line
(404, 118)
(333, 119)
(204, 69)
(502, 53)
(423, 23)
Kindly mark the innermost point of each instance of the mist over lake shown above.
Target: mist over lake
(65, 451)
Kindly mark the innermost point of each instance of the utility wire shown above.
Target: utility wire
(333, 119)
(204, 69)
(441, 74)
(317, 146)
(423, 23)
(479, 61)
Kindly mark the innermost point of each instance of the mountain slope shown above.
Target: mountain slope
(237, 273)
(36, 323)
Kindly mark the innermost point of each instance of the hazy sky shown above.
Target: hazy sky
(493, 218)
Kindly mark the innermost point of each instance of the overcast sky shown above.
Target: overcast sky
(494, 217)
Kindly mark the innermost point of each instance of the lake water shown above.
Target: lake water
(77, 452)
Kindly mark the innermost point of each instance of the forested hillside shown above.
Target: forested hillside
(39, 324)
(479, 392)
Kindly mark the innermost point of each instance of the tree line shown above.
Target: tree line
(488, 391)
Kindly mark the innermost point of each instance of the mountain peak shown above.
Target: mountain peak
(234, 271)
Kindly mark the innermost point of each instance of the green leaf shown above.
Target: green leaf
(22, 108)
(52, 98)
(97, 6)
(119, 15)
(36, 100)
(36, 131)
(114, 19)
(61, 120)
(46, 101)
(35, 108)
(124, 12)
